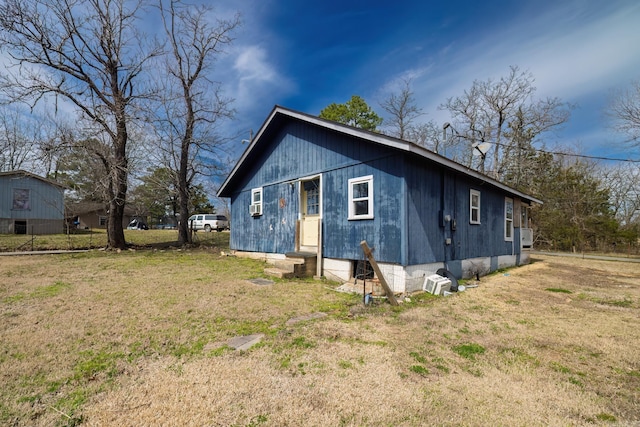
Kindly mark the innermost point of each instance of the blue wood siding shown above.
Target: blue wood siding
(342, 236)
(425, 236)
(486, 238)
(433, 194)
(412, 198)
(299, 150)
(271, 232)
(45, 200)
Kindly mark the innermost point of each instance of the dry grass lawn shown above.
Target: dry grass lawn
(97, 238)
(139, 338)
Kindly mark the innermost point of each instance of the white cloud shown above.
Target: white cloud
(48, 104)
(256, 75)
(568, 58)
(572, 54)
(252, 65)
(576, 61)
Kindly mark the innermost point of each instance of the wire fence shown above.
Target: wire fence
(97, 238)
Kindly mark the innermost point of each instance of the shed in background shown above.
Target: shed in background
(30, 204)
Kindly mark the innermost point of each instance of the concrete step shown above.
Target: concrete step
(288, 265)
(297, 264)
(301, 255)
(306, 263)
(278, 272)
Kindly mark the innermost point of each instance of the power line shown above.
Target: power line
(584, 156)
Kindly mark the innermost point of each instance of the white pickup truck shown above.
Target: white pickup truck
(208, 222)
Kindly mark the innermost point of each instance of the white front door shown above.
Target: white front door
(310, 214)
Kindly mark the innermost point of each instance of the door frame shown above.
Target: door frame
(301, 206)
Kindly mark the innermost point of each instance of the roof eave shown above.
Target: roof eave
(34, 176)
(373, 137)
(423, 152)
(247, 151)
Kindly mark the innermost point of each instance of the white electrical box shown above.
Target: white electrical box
(436, 284)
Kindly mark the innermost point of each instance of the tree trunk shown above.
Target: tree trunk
(118, 177)
(496, 151)
(115, 231)
(184, 236)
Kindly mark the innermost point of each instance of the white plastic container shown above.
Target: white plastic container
(436, 284)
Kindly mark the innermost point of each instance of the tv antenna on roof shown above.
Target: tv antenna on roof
(481, 149)
(250, 137)
(478, 148)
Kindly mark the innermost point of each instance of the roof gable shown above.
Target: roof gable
(280, 115)
(24, 173)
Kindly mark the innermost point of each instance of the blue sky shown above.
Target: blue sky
(305, 55)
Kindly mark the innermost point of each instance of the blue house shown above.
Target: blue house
(312, 186)
(30, 204)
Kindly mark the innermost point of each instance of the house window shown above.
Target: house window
(361, 197)
(312, 190)
(474, 207)
(255, 209)
(508, 219)
(21, 199)
(102, 221)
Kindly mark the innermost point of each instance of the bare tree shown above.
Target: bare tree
(505, 114)
(625, 111)
(193, 102)
(16, 141)
(623, 182)
(529, 121)
(466, 114)
(502, 100)
(402, 110)
(89, 54)
(52, 133)
(403, 113)
(29, 141)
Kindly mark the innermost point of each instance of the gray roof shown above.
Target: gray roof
(280, 113)
(24, 173)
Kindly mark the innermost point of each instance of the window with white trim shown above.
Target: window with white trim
(255, 209)
(508, 219)
(474, 207)
(361, 197)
